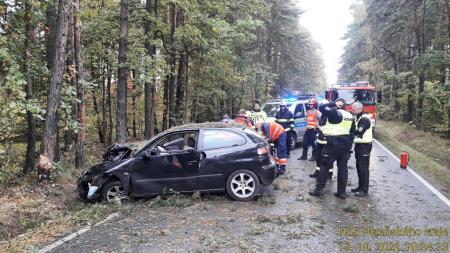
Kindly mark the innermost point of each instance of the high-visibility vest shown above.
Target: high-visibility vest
(275, 130)
(311, 118)
(367, 136)
(341, 128)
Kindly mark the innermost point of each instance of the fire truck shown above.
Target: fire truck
(362, 92)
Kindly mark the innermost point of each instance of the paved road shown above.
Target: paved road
(398, 204)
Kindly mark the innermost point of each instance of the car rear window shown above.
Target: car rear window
(221, 139)
(254, 136)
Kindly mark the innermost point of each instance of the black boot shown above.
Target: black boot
(304, 154)
(315, 174)
(312, 159)
(316, 192)
(357, 189)
(340, 195)
(361, 194)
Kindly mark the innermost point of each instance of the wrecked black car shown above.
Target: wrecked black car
(197, 157)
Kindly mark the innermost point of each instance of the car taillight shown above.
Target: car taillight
(263, 150)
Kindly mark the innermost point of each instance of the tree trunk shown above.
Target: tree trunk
(80, 158)
(149, 88)
(181, 85)
(69, 134)
(31, 131)
(50, 14)
(122, 84)
(57, 72)
(109, 103)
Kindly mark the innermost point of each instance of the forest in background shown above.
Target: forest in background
(403, 47)
(75, 73)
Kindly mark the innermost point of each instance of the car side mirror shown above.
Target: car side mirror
(200, 155)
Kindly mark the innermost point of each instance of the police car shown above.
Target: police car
(297, 105)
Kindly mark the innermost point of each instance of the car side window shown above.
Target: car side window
(299, 112)
(177, 142)
(221, 139)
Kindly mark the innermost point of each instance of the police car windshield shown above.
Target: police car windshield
(365, 97)
(272, 109)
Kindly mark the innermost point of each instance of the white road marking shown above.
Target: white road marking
(75, 234)
(418, 177)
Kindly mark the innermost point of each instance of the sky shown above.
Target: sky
(327, 21)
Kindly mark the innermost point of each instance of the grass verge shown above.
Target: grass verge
(429, 153)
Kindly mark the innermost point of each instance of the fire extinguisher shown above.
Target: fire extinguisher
(404, 159)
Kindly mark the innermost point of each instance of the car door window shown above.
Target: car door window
(299, 111)
(177, 142)
(213, 139)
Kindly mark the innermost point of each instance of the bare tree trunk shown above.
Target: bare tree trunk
(109, 103)
(122, 84)
(57, 72)
(51, 24)
(31, 132)
(80, 158)
(149, 88)
(181, 83)
(69, 134)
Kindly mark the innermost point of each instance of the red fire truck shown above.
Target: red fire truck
(362, 92)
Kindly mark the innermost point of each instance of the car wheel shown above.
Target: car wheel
(293, 140)
(242, 185)
(113, 191)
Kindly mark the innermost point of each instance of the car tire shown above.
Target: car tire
(293, 140)
(242, 185)
(113, 191)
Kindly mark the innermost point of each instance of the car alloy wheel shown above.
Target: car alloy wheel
(113, 191)
(242, 185)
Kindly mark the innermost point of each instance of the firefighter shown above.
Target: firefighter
(242, 119)
(309, 139)
(276, 135)
(286, 119)
(339, 134)
(321, 141)
(363, 147)
(258, 115)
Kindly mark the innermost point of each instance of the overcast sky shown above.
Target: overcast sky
(327, 21)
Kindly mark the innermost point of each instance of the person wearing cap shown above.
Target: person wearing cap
(285, 118)
(275, 135)
(309, 138)
(242, 119)
(363, 147)
(258, 115)
(340, 134)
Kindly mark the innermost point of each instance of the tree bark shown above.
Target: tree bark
(31, 131)
(122, 84)
(181, 85)
(69, 134)
(80, 158)
(57, 72)
(149, 87)
(50, 14)
(109, 103)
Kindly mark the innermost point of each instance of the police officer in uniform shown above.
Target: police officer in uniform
(286, 119)
(339, 142)
(363, 147)
(321, 142)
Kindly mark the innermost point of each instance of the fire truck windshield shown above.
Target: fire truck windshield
(365, 97)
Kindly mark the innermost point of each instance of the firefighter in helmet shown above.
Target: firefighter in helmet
(309, 139)
(285, 118)
(276, 135)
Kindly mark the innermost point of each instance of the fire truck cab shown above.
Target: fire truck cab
(362, 92)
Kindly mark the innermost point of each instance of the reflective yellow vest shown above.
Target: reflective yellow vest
(367, 137)
(342, 128)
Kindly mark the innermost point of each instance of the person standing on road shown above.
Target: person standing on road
(339, 142)
(276, 136)
(309, 139)
(286, 119)
(321, 142)
(363, 147)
